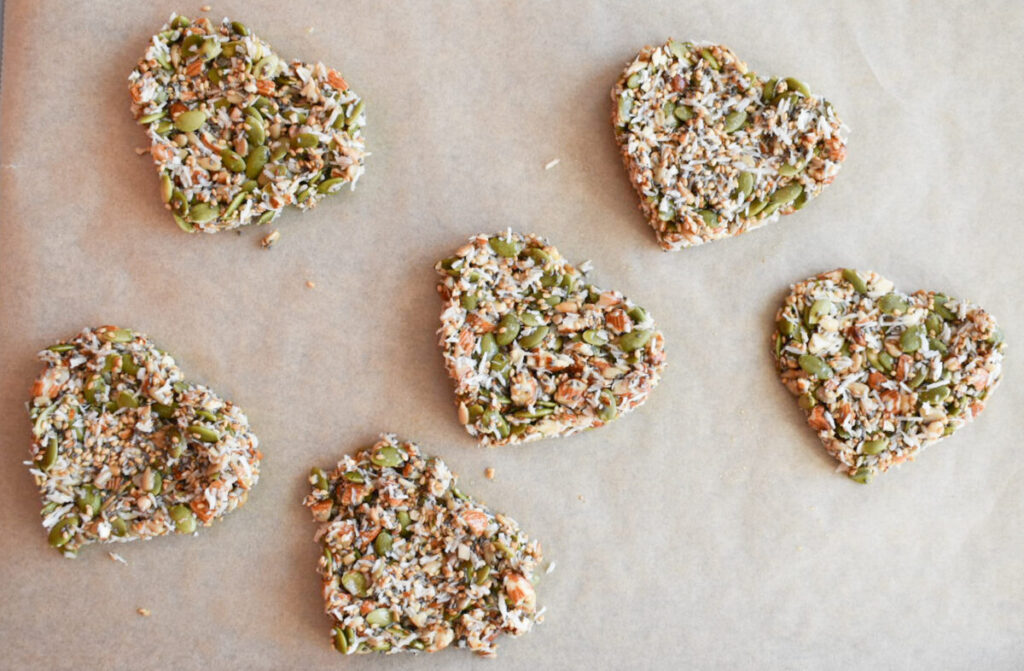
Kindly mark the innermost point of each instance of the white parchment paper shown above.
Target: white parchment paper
(705, 530)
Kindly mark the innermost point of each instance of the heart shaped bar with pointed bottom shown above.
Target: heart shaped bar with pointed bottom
(534, 348)
(236, 132)
(411, 563)
(882, 374)
(123, 447)
(714, 150)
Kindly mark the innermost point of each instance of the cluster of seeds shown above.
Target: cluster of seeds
(236, 132)
(712, 149)
(535, 350)
(410, 563)
(124, 448)
(882, 374)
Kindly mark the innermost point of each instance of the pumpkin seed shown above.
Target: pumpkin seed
(815, 365)
(734, 121)
(190, 121)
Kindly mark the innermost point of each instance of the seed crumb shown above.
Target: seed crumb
(141, 150)
(309, 30)
(205, 8)
(310, 284)
(582, 500)
(144, 612)
(116, 557)
(550, 568)
(552, 163)
(489, 473)
(268, 240)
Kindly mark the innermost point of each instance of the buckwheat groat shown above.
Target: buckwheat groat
(535, 349)
(123, 447)
(410, 563)
(236, 132)
(883, 374)
(713, 149)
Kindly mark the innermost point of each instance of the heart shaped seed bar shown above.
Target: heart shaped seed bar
(123, 447)
(535, 350)
(411, 563)
(883, 374)
(236, 132)
(714, 150)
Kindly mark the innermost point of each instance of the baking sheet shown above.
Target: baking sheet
(705, 530)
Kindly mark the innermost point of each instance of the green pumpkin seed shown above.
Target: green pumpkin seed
(239, 28)
(912, 339)
(637, 314)
(88, 501)
(255, 161)
(158, 483)
(798, 86)
(126, 399)
(710, 218)
(892, 303)
(875, 446)
(493, 421)
(862, 475)
(791, 169)
(488, 345)
(205, 434)
(755, 207)
(306, 140)
(819, 308)
(508, 329)
(118, 526)
(388, 457)
(609, 407)
(340, 642)
(380, 617)
(468, 301)
(712, 61)
(535, 338)
(278, 151)
(232, 161)
(745, 185)
(854, 278)
(383, 543)
(49, 457)
(683, 113)
(481, 574)
(939, 302)
(190, 121)
(353, 476)
(787, 327)
(327, 186)
(505, 248)
(354, 583)
(202, 213)
(886, 362)
(184, 519)
(595, 338)
(785, 195)
(933, 322)
(634, 80)
(352, 118)
(62, 347)
(768, 93)
(635, 340)
(934, 396)
(163, 411)
(63, 530)
(815, 365)
(500, 364)
(319, 479)
(403, 519)
(734, 121)
(235, 203)
(918, 378)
